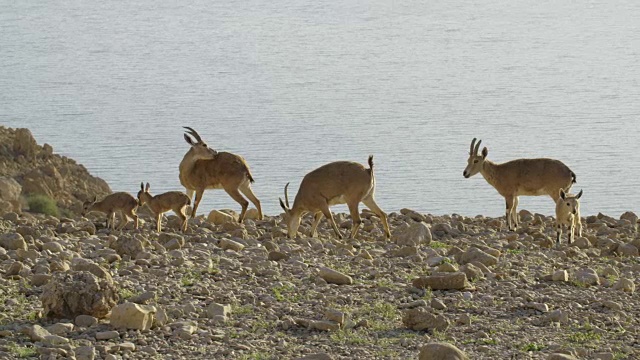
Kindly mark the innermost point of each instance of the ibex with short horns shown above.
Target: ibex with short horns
(161, 203)
(568, 214)
(530, 177)
(203, 168)
(123, 202)
(338, 182)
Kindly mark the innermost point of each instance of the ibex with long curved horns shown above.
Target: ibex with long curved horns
(531, 177)
(338, 182)
(203, 168)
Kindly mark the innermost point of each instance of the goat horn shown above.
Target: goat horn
(286, 196)
(193, 133)
(477, 147)
(473, 142)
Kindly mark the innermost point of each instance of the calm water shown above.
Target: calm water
(293, 84)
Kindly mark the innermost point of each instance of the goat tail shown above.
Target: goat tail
(371, 162)
(250, 177)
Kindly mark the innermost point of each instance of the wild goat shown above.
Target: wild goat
(161, 203)
(532, 177)
(338, 182)
(120, 201)
(568, 213)
(203, 168)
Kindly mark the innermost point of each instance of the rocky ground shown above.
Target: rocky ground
(233, 291)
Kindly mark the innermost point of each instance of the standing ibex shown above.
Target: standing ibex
(203, 168)
(120, 201)
(161, 203)
(338, 182)
(531, 177)
(568, 213)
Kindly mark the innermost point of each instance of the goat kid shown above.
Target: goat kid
(161, 203)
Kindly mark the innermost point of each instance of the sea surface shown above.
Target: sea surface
(293, 84)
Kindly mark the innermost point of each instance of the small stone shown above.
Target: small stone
(417, 233)
(335, 316)
(609, 304)
(543, 308)
(37, 333)
(215, 309)
(560, 275)
(85, 321)
(420, 319)
(228, 244)
(277, 256)
(438, 304)
(560, 356)
(132, 316)
(218, 217)
(324, 325)
(15, 269)
(441, 351)
(334, 277)
(55, 340)
(587, 276)
(60, 328)
(447, 268)
(627, 250)
(85, 353)
(318, 356)
(53, 247)
(626, 285)
(476, 254)
(107, 335)
(449, 281)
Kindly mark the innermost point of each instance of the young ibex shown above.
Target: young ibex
(204, 168)
(338, 182)
(161, 203)
(568, 213)
(120, 201)
(531, 177)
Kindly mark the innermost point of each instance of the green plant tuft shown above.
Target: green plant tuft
(42, 204)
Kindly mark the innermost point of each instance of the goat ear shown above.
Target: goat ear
(189, 140)
(141, 186)
(563, 195)
(147, 188)
(485, 152)
(579, 194)
(95, 199)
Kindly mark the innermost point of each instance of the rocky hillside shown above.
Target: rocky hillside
(245, 291)
(27, 168)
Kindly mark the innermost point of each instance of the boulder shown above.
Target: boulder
(70, 294)
(10, 191)
(125, 245)
(445, 281)
(132, 316)
(441, 351)
(24, 144)
(560, 275)
(13, 241)
(420, 319)
(417, 233)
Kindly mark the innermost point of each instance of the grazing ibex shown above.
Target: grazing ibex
(161, 203)
(531, 177)
(203, 168)
(568, 213)
(338, 182)
(120, 201)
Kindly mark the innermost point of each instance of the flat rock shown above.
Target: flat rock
(132, 316)
(334, 277)
(448, 281)
(441, 351)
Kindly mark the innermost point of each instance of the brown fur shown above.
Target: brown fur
(568, 214)
(120, 201)
(161, 203)
(203, 168)
(334, 183)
